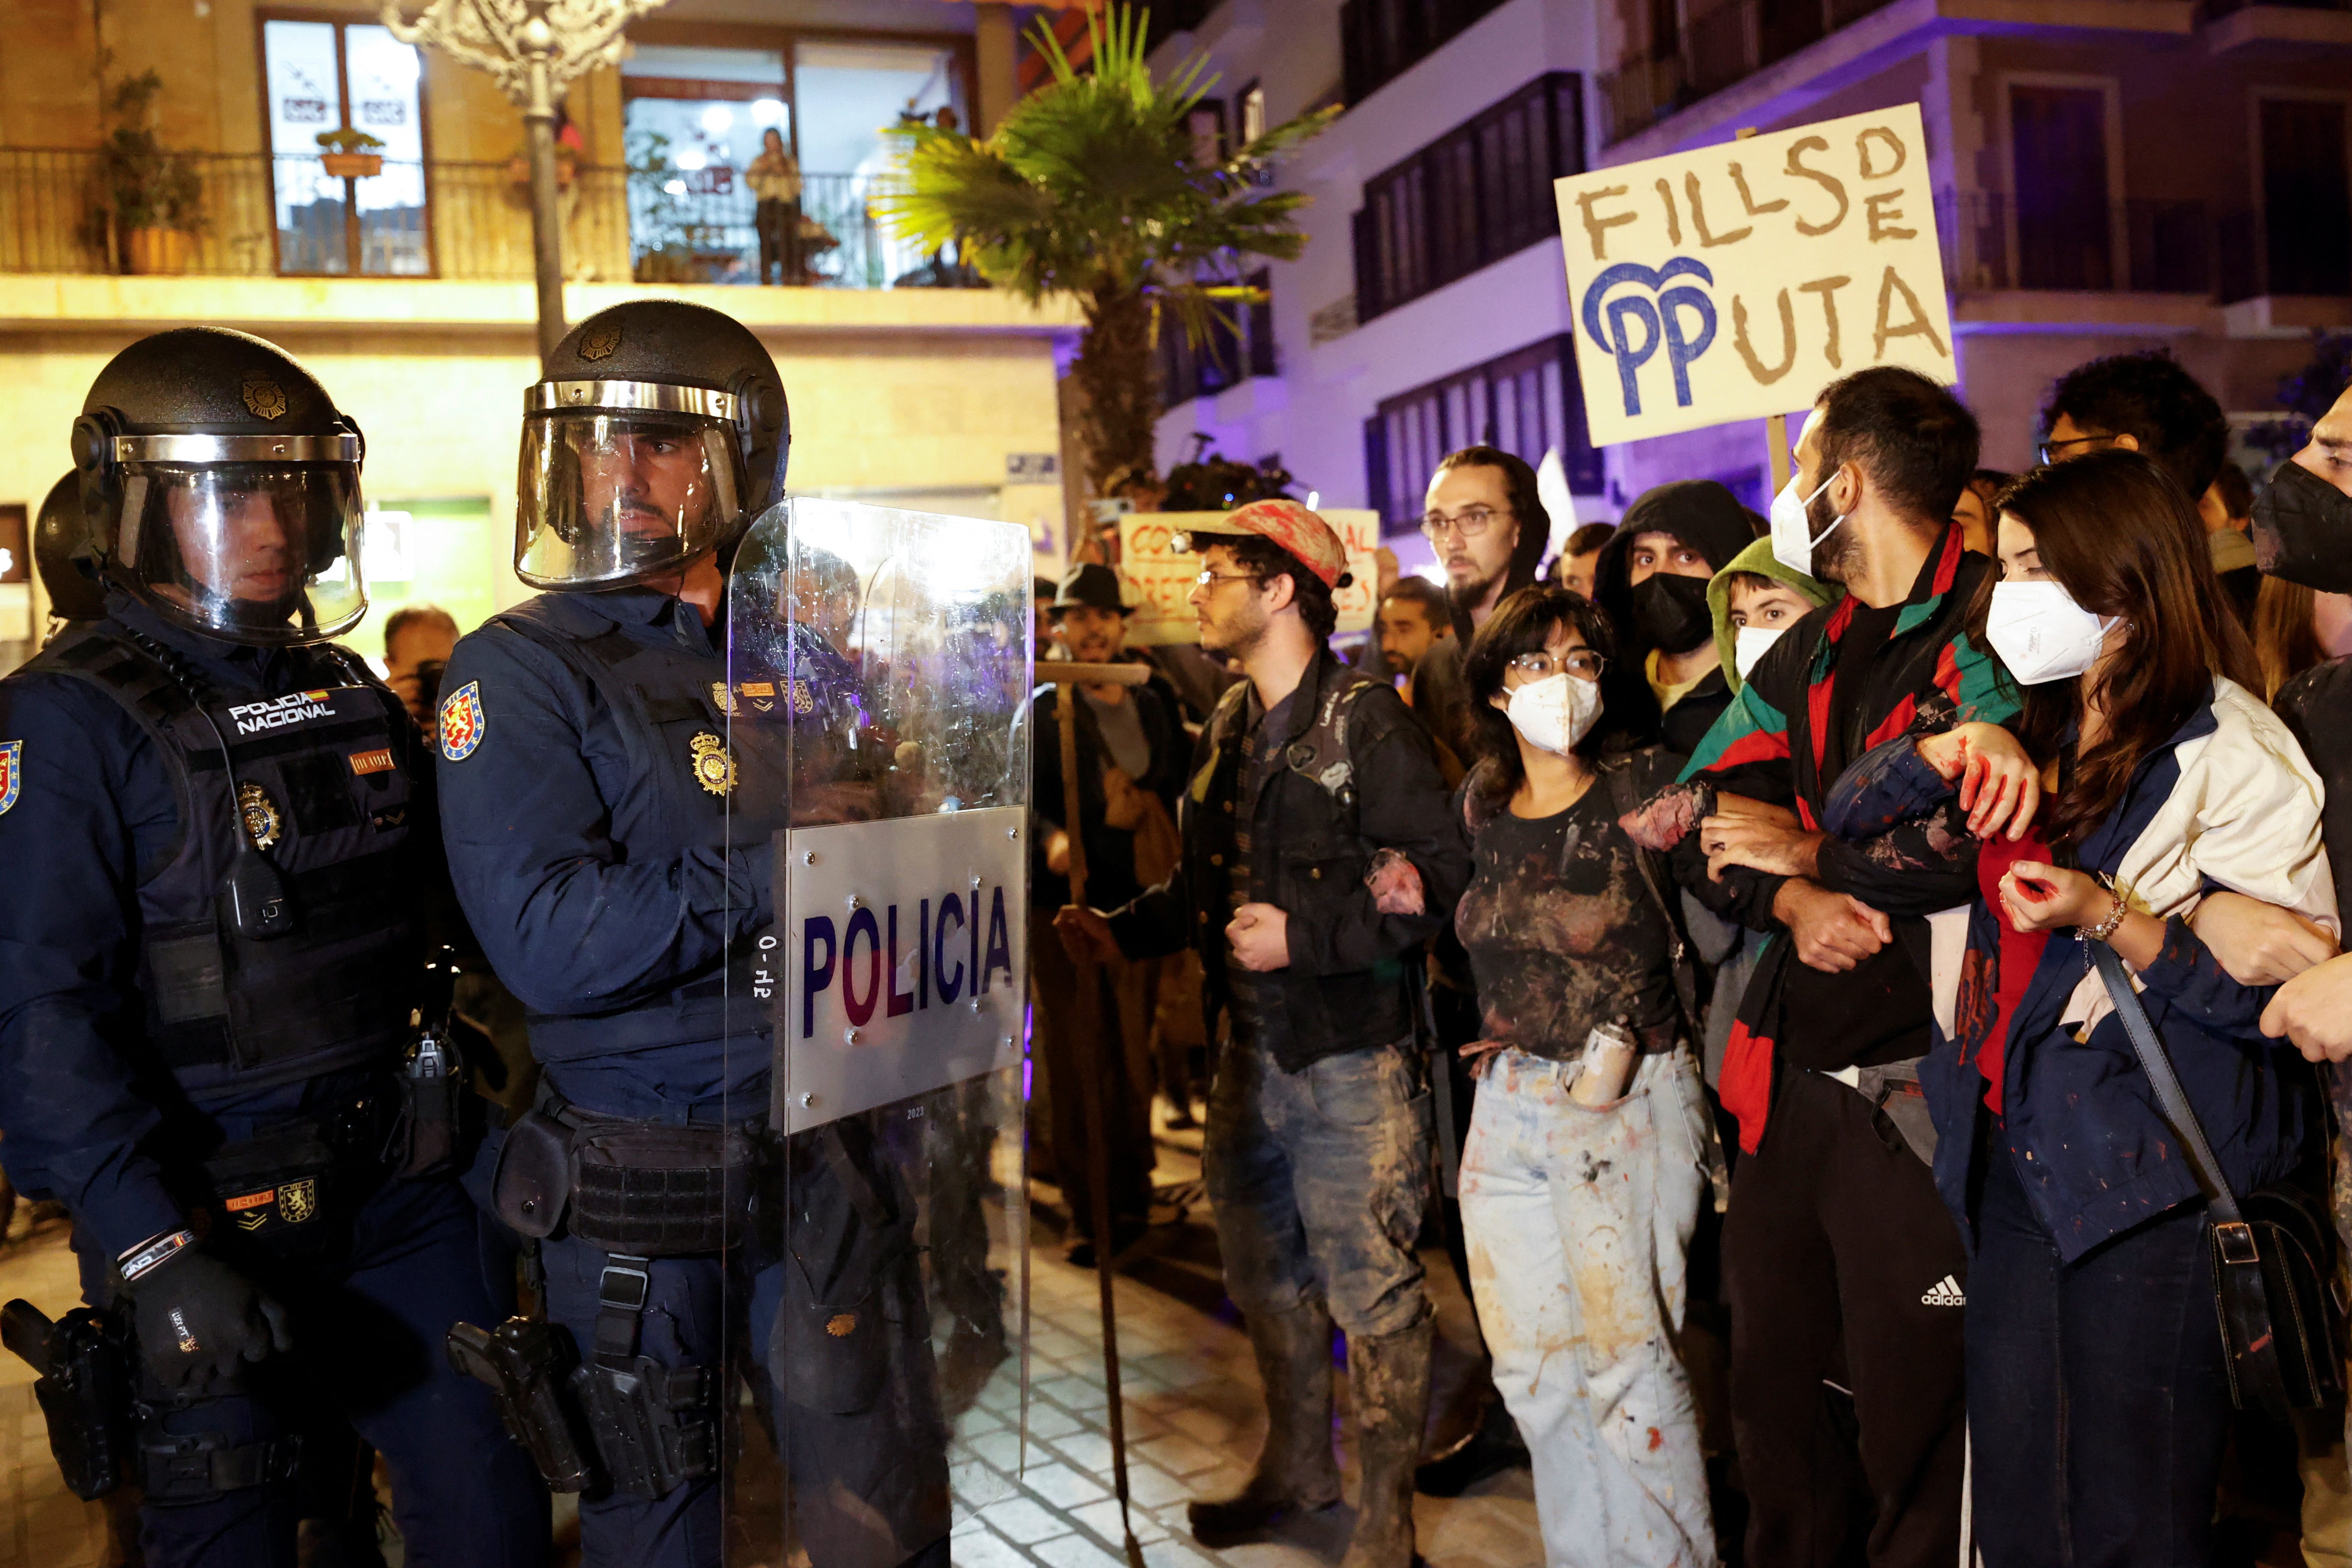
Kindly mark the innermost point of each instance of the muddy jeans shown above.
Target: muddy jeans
(1580, 1224)
(1319, 1180)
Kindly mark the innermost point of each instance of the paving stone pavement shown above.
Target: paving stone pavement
(1044, 1500)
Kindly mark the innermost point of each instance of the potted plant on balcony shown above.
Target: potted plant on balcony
(350, 154)
(1093, 186)
(151, 200)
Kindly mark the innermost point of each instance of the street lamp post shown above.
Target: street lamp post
(533, 48)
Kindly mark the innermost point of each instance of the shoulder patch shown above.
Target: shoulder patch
(12, 772)
(462, 721)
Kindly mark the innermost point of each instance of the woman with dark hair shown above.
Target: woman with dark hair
(1590, 1142)
(2098, 1394)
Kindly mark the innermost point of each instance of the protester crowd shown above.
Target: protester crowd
(1847, 984)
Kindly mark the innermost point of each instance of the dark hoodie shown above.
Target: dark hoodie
(1709, 518)
(1439, 695)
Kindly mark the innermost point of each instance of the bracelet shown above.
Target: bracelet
(2106, 928)
(152, 1253)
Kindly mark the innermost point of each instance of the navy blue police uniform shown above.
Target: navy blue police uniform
(610, 788)
(156, 1068)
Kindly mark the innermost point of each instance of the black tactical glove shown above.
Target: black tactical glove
(197, 1318)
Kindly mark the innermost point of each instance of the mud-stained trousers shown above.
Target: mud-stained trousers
(1847, 1278)
(1580, 1224)
(1319, 1180)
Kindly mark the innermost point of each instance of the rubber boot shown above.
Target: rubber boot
(1390, 1379)
(1296, 1472)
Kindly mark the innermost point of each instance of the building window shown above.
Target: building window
(2058, 161)
(346, 76)
(1477, 193)
(2307, 196)
(1527, 403)
(1251, 102)
(1379, 40)
(1240, 345)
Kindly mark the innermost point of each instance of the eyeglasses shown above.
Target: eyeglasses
(1580, 662)
(2053, 450)
(1210, 580)
(1469, 522)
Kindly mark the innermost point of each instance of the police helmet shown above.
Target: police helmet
(57, 533)
(220, 484)
(658, 433)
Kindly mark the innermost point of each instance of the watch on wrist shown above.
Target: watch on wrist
(153, 1254)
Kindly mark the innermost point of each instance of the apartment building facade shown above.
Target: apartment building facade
(2109, 174)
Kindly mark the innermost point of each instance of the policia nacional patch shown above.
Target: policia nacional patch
(714, 767)
(462, 721)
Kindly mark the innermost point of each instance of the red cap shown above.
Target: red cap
(1300, 532)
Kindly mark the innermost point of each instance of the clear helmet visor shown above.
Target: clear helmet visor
(266, 553)
(607, 499)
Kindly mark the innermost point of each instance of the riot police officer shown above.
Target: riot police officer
(610, 790)
(220, 853)
(73, 595)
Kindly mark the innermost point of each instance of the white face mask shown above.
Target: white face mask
(2042, 634)
(1554, 713)
(1792, 534)
(1748, 647)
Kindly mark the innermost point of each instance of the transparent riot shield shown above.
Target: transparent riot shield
(878, 672)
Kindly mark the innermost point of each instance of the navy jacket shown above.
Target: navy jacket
(597, 876)
(2080, 1119)
(91, 1118)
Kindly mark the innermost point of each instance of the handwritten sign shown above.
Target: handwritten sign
(1159, 582)
(1739, 280)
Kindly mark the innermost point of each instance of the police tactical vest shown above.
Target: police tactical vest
(320, 788)
(718, 757)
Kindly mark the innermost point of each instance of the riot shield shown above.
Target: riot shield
(880, 661)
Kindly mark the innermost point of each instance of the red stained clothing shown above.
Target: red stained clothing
(2021, 952)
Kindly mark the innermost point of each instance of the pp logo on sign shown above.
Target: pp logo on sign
(1611, 322)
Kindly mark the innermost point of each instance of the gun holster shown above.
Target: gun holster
(651, 1422)
(525, 1363)
(84, 1390)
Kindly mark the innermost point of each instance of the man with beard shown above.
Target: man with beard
(1317, 855)
(1652, 578)
(1841, 1264)
(1412, 617)
(1131, 752)
(1487, 524)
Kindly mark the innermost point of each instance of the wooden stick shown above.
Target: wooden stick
(1089, 1012)
(1776, 426)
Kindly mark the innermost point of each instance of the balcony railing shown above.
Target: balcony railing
(1719, 46)
(2140, 245)
(264, 216)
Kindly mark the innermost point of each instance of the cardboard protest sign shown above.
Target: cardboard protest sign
(1159, 582)
(1739, 280)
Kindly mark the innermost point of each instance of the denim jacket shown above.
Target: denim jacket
(2219, 804)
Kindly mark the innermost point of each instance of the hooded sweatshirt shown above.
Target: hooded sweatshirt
(1757, 558)
(1707, 517)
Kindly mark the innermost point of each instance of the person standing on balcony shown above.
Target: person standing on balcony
(1843, 1271)
(775, 181)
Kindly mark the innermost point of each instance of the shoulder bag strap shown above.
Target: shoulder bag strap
(2158, 1067)
(1623, 803)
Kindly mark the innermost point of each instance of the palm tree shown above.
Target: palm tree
(1091, 186)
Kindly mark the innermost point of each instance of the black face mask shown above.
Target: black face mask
(2303, 531)
(1670, 612)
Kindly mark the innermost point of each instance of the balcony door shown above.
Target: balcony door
(2307, 196)
(324, 76)
(2064, 229)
